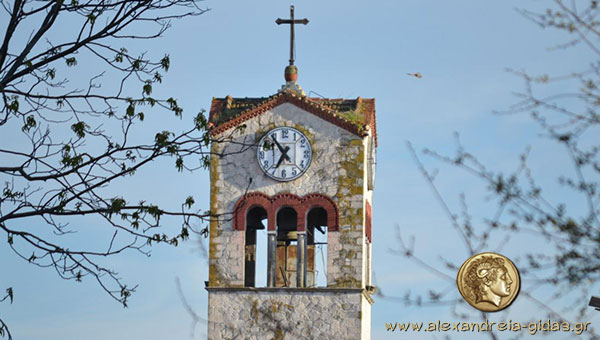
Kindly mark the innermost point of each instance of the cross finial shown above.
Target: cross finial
(291, 21)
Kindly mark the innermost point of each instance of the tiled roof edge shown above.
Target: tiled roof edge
(312, 106)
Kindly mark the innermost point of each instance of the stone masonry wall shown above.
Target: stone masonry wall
(336, 170)
(288, 314)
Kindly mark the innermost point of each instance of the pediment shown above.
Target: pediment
(354, 115)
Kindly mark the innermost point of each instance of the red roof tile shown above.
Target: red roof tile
(353, 115)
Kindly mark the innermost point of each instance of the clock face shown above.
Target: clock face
(284, 153)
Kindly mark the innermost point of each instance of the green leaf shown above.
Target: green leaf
(189, 201)
(174, 107)
(155, 212)
(79, 129)
(184, 234)
(30, 123)
(200, 121)
(206, 161)
(130, 111)
(147, 88)
(116, 205)
(51, 73)
(158, 77)
(13, 106)
(179, 163)
(165, 62)
(125, 293)
(172, 149)
(71, 61)
(162, 138)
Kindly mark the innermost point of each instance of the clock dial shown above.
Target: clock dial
(284, 153)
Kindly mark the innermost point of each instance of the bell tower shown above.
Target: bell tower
(295, 174)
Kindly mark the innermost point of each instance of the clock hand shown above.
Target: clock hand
(279, 163)
(281, 149)
(283, 155)
(277, 143)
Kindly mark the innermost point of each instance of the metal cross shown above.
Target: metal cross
(291, 21)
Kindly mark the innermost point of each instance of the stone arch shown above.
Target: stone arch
(280, 201)
(322, 201)
(321, 220)
(272, 206)
(247, 202)
(302, 205)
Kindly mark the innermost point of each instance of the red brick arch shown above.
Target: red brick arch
(293, 201)
(247, 202)
(318, 200)
(272, 204)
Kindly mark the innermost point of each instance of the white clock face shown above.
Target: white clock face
(284, 153)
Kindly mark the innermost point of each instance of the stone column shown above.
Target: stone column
(301, 266)
(271, 258)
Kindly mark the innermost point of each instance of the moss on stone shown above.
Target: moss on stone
(345, 237)
(346, 282)
(260, 132)
(278, 334)
(214, 189)
(254, 309)
(350, 183)
(214, 232)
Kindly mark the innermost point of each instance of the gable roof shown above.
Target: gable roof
(353, 115)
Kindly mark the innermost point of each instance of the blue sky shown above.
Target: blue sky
(349, 49)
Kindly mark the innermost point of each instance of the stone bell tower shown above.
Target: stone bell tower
(285, 171)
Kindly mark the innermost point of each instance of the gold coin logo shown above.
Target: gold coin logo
(488, 281)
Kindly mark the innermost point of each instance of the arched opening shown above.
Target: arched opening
(287, 250)
(287, 262)
(255, 252)
(316, 247)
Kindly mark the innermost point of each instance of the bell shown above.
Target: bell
(292, 236)
(286, 224)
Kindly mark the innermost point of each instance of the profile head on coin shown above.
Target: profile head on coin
(488, 281)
